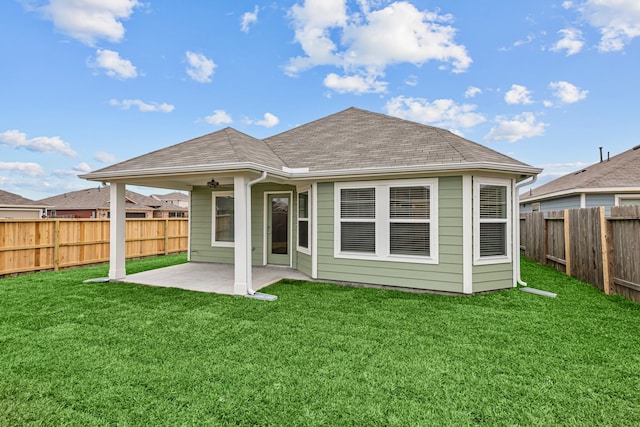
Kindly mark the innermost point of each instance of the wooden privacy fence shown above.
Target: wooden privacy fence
(584, 243)
(53, 244)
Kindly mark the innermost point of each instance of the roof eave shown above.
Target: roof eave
(320, 174)
(578, 191)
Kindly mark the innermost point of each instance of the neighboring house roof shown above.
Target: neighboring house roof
(350, 142)
(620, 173)
(176, 195)
(98, 198)
(8, 199)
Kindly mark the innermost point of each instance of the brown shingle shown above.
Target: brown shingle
(620, 171)
(356, 138)
(350, 139)
(12, 199)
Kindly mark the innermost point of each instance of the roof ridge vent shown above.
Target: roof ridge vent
(636, 147)
(580, 171)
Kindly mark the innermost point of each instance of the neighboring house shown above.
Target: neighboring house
(611, 182)
(355, 197)
(95, 203)
(15, 206)
(176, 198)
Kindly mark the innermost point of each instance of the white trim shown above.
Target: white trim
(214, 242)
(576, 191)
(314, 230)
(340, 173)
(467, 234)
(583, 200)
(618, 197)
(382, 221)
(266, 221)
(300, 190)
(477, 259)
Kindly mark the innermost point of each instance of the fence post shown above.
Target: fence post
(166, 236)
(608, 254)
(545, 237)
(56, 246)
(567, 243)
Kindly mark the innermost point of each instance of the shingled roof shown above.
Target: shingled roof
(98, 198)
(619, 172)
(349, 140)
(218, 148)
(356, 138)
(12, 199)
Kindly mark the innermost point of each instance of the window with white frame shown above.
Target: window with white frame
(627, 199)
(492, 215)
(222, 228)
(387, 220)
(304, 229)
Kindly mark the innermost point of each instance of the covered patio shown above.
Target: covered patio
(210, 277)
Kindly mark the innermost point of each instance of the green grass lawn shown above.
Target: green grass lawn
(121, 354)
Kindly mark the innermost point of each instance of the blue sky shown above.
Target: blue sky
(86, 83)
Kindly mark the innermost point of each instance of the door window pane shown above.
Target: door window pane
(280, 225)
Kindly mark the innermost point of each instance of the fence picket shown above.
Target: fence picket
(45, 244)
(602, 251)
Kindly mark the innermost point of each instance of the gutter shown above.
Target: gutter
(516, 240)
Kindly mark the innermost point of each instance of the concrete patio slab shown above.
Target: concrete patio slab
(210, 277)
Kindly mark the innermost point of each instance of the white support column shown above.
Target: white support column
(117, 224)
(241, 261)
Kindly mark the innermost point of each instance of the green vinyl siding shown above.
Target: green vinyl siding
(201, 249)
(444, 276)
(491, 277)
(303, 263)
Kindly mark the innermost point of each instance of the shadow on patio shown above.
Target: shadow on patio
(209, 277)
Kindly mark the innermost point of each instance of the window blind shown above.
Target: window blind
(493, 220)
(357, 214)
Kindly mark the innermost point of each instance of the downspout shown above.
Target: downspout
(516, 240)
(262, 177)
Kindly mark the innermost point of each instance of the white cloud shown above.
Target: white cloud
(75, 171)
(41, 144)
(104, 157)
(567, 93)
(441, 112)
(354, 84)
(115, 66)
(90, 20)
(523, 125)
(518, 95)
(218, 117)
(80, 168)
(472, 91)
(269, 121)
(412, 80)
(200, 68)
(144, 107)
(571, 41)
(22, 168)
(248, 18)
(617, 20)
(366, 42)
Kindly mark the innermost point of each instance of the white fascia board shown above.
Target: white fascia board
(578, 191)
(305, 173)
